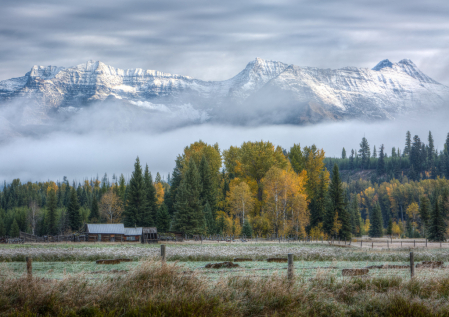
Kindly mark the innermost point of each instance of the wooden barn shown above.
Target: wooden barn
(133, 234)
(149, 235)
(110, 232)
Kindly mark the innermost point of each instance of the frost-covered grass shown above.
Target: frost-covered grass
(303, 269)
(213, 252)
(153, 289)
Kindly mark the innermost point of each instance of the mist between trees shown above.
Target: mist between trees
(255, 189)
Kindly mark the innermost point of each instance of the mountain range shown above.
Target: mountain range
(265, 92)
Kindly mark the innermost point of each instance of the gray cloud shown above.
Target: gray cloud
(215, 40)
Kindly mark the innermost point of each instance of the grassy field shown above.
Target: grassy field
(67, 281)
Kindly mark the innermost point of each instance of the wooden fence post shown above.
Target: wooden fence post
(414, 243)
(388, 244)
(426, 242)
(361, 243)
(372, 245)
(290, 270)
(412, 265)
(163, 252)
(29, 266)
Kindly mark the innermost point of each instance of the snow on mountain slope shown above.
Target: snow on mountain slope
(264, 92)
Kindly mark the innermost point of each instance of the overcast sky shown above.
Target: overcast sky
(215, 39)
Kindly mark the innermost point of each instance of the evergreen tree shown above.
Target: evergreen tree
(163, 219)
(122, 188)
(189, 217)
(73, 211)
(148, 217)
(416, 157)
(337, 205)
(390, 227)
(408, 144)
(210, 222)
(381, 162)
(15, 231)
(364, 153)
(2, 228)
(424, 212)
(356, 218)
(437, 226)
(175, 182)
(94, 212)
(136, 199)
(221, 224)
(374, 152)
(351, 160)
(208, 192)
(317, 205)
(446, 144)
(52, 228)
(343, 154)
(430, 149)
(393, 152)
(247, 230)
(376, 221)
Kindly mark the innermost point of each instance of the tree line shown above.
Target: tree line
(253, 189)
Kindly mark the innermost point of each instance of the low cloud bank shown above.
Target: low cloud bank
(86, 153)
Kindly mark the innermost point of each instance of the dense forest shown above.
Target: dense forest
(255, 189)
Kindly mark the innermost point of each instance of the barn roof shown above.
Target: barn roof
(133, 231)
(109, 228)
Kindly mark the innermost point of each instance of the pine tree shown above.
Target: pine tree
(208, 192)
(247, 230)
(175, 182)
(337, 205)
(210, 221)
(351, 160)
(2, 228)
(136, 200)
(317, 205)
(15, 231)
(416, 157)
(148, 218)
(374, 152)
(343, 154)
(122, 188)
(408, 144)
(381, 162)
(52, 228)
(430, 149)
(390, 227)
(163, 219)
(73, 211)
(94, 212)
(364, 153)
(189, 217)
(376, 221)
(424, 212)
(437, 226)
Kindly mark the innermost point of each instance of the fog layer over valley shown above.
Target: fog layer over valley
(95, 141)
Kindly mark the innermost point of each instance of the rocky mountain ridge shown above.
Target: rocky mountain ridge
(265, 92)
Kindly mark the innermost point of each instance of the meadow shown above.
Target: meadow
(67, 281)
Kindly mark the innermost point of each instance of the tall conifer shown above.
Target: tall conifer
(189, 217)
(73, 211)
(376, 228)
(163, 219)
(437, 226)
(94, 212)
(424, 213)
(52, 228)
(149, 216)
(136, 204)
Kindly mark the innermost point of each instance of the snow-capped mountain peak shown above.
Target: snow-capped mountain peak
(264, 91)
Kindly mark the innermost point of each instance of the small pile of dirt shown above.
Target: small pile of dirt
(115, 261)
(430, 264)
(278, 260)
(242, 260)
(354, 272)
(125, 260)
(221, 265)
